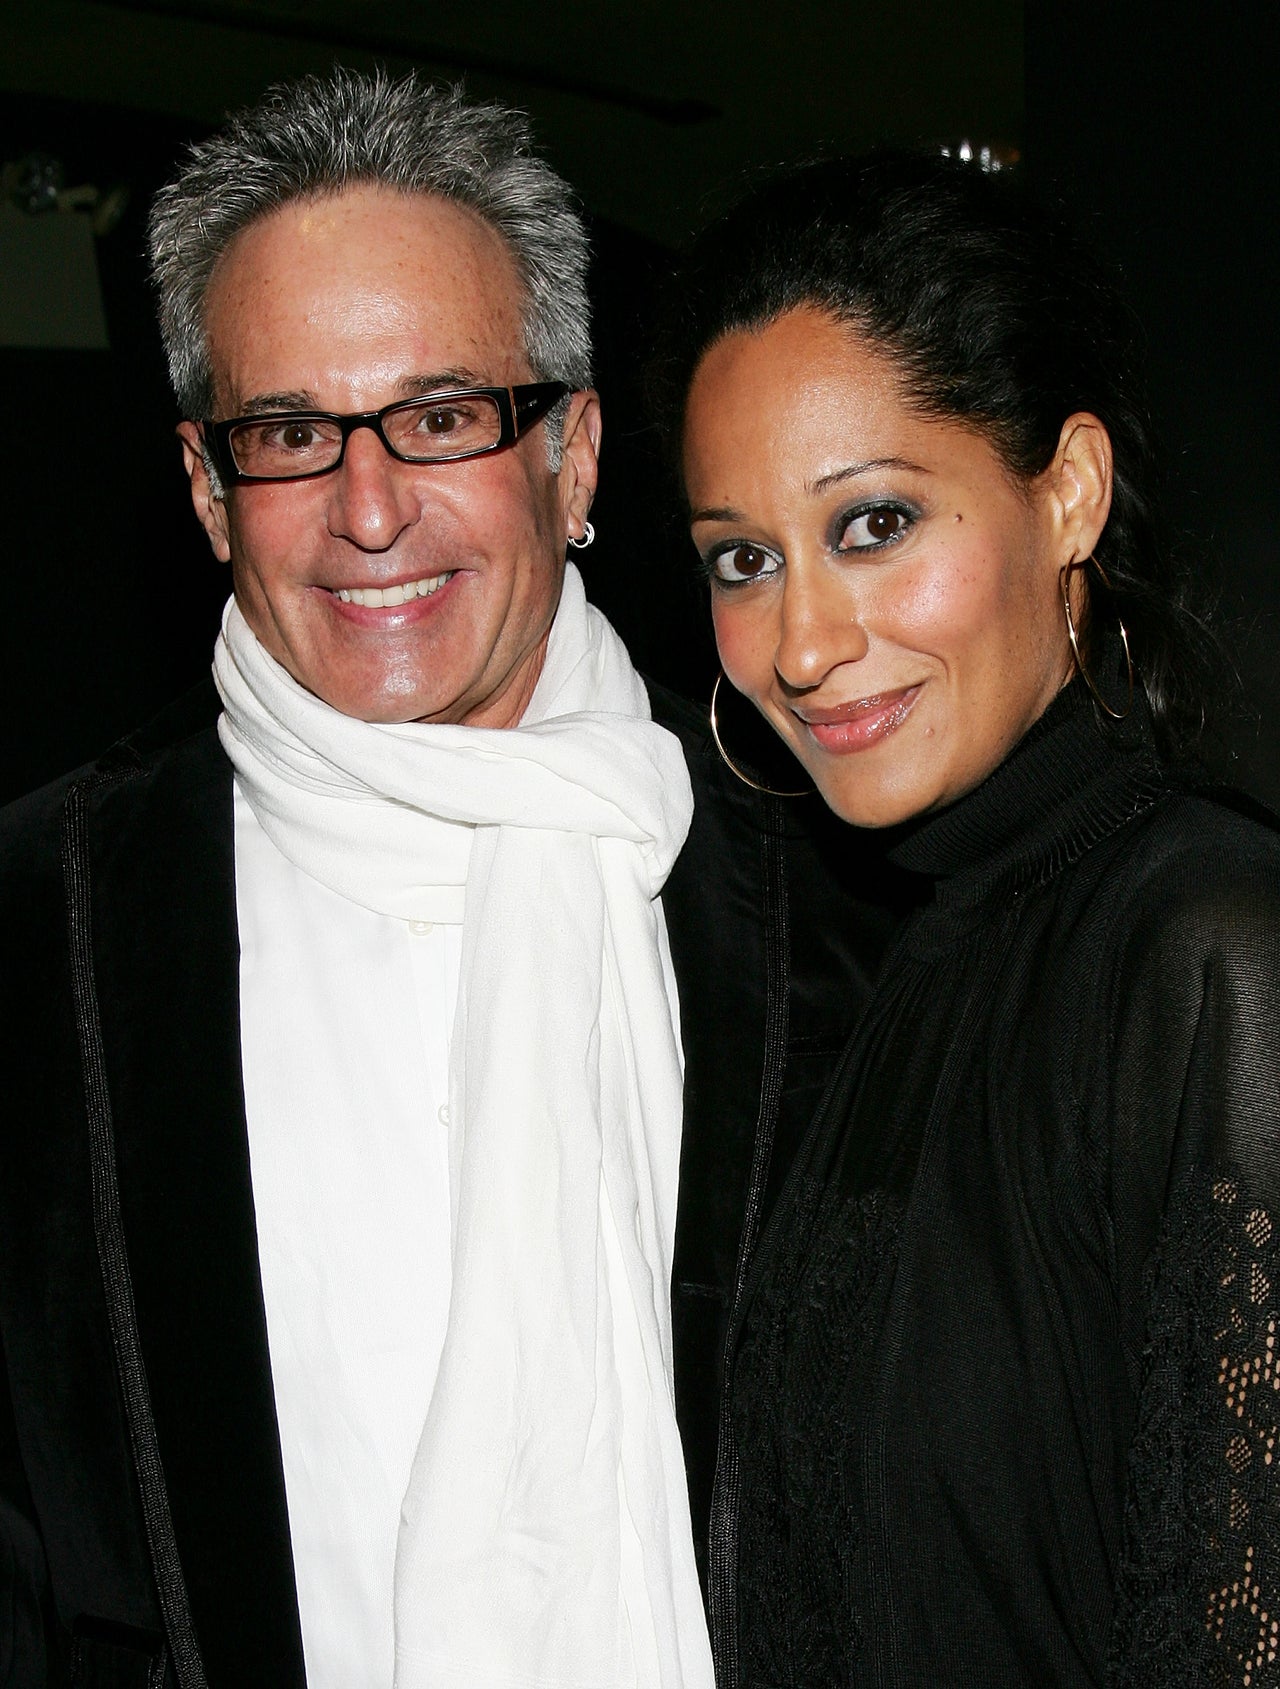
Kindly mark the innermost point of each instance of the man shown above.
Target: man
(342, 1039)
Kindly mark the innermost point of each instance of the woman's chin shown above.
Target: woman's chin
(864, 798)
(871, 810)
(877, 776)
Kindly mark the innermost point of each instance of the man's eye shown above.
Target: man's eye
(876, 525)
(445, 419)
(738, 564)
(296, 436)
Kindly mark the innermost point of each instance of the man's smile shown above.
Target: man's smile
(387, 597)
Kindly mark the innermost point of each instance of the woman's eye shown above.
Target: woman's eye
(864, 530)
(738, 564)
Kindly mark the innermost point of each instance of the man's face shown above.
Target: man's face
(346, 304)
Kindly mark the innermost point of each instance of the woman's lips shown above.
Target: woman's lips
(858, 725)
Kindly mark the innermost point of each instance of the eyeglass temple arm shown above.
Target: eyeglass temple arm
(535, 399)
(213, 450)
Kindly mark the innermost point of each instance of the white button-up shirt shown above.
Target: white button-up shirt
(345, 1018)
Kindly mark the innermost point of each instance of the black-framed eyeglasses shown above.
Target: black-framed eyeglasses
(437, 428)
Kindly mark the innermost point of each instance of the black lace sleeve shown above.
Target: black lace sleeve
(1196, 1187)
(1200, 1587)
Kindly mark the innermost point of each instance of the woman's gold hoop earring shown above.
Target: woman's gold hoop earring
(1067, 572)
(730, 764)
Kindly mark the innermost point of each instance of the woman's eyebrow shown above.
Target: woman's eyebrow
(716, 513)
(824, 483)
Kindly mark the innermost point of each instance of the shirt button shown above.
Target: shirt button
(420, 929)
(442, 1114)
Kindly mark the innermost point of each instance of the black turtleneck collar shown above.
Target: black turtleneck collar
(1072, 779)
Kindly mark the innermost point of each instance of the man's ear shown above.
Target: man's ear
(206, 492)
(580, 464)
(1078, 482)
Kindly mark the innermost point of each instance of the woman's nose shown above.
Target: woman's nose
(820, 626)
(375, 497)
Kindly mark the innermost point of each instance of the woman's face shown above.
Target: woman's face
(883, 589)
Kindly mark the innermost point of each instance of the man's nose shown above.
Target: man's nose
(820, 626)
(374, 497)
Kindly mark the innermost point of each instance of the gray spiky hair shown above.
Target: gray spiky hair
(317, 136)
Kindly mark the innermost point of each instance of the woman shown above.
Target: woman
(1004, 1376)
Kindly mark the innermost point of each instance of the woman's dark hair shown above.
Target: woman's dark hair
(995, 316)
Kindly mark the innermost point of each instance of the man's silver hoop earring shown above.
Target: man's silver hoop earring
(1067, 571)
(730, 764)
(584, 539)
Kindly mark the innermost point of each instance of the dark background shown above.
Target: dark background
(1161, 138)
(1158, 125)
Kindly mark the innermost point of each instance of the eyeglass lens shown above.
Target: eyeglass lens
(428, 432)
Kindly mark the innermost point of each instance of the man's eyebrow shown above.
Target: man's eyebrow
(459, 377)
(262, 404)
(851, 471)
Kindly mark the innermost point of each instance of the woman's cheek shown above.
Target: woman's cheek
(933, 609)
(745, 645)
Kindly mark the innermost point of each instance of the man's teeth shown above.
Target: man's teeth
(387, 597)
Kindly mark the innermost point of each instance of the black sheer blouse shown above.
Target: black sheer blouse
(1006, 1391)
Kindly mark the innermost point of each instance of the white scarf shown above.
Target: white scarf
(550, 1448)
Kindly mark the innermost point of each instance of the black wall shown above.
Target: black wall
(1158, 128)
(1158, 125)
(111, 599)
(115, 596)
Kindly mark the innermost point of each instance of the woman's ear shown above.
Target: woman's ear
(1079, 486)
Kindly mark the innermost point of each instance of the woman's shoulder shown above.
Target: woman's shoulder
(1178, 916)
(1189, 967)
(1183, 955)
(1202, 859)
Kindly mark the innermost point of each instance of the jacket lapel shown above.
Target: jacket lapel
(167, 965)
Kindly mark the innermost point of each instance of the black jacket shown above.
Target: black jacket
(143, 1527)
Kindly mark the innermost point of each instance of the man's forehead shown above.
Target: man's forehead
(364, 210)
(409, 290)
